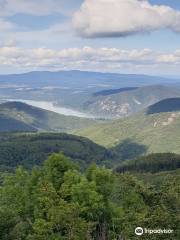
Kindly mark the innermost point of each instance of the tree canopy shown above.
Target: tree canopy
(58, 202)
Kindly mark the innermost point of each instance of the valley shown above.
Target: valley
(155, 132)
(19, 116)
(89, 120)
(101, 150)
(82, 93)
(50, 106)
(132, 119)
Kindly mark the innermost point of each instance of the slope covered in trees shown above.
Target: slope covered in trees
(24, 117)
(8, 124)
(31, 149)
(166, 105)
(57, 202)
(113, 91)
(152, 163)
(139, 134)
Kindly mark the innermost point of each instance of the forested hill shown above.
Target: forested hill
(31, 149)
(18, 116)
(139, 134)
(8, 124)
(153, 163)
(124, 102)
(113, 91)
(166, 105)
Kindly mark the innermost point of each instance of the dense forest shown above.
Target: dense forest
(165, 105)
(31, 149)
(59, 202)
(156, 162)
(65, 187)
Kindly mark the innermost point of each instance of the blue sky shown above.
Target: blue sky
(64, 34)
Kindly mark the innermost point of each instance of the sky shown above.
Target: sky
(125, 36)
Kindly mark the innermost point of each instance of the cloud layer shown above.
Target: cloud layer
(117, 18)
(33, 7)
(88, 58)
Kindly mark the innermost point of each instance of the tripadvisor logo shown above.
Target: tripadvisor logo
(139, 231)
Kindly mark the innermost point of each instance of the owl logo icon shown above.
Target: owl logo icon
(139, 231)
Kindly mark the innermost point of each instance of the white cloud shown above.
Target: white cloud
(28, 35)
(88, 58)
(107, 18)
(53, 35)
(170, 58)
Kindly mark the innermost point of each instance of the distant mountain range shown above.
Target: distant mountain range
(17, 116)
(71, 88)
(141, 133)
(148, 106)
(83, 79)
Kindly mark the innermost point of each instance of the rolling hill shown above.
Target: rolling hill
(141, 133)
(69, 88)
(127, 101)
(166, 105)
(82, 79)
(153, 163)
(17, 116)
(113, 91)
(31, 149)
(8, 124)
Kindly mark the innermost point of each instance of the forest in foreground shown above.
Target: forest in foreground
(58, 201)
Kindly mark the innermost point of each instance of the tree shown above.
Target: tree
(59, 202)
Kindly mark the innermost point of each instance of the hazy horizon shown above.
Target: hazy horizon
(103, 72)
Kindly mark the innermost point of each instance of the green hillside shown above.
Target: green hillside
(23, 117)
(153, 163)
(8, 124)
(166, 105)
(138, 134)
(31, 149)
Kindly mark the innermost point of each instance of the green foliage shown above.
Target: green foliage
(129, 149)
(156, 162)
(29, 150)
(58, 202)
